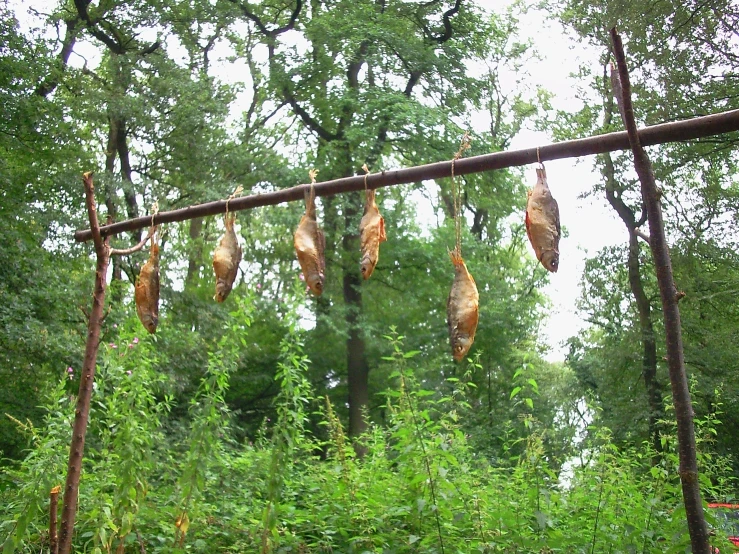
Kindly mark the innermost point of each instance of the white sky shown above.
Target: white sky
(590, 224)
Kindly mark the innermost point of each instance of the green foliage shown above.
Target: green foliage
(420, 487)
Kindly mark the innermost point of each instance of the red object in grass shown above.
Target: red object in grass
(729, 514)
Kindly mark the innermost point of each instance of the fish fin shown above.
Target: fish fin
(383, 236)
(456, 257)
(541, 177)
(155, 292)
(310, 201)
(528, 227)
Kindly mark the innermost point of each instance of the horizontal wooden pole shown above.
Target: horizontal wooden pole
(688, 129)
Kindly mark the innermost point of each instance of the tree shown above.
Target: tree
(674, 45)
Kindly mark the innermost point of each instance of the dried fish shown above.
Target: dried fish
(372, 233)
(310, 244)
(146, 292)
(542, 222)
(462, 308)
(226, 259)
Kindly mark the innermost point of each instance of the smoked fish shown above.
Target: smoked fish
(226, 259)
(542, 222)
(146, 292)
(372, 233)
(310, 244)
(462, 308)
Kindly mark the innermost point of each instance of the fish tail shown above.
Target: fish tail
(541, 178)
(456, 257)
(230, 220)
(310, 201)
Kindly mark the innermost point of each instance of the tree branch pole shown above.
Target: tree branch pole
(53, 506)
(77, 448)
(84, 396)
(690, 129)
(663, 266)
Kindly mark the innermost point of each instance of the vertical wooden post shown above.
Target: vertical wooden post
(671, 312)
(53, 504)
(82, 411)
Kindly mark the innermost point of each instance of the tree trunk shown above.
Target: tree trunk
(82, 411)
(688, 469)
(649, 344)
(644, 309)
(195, 252)
(129, 194)
(356, 359)
(111, 151)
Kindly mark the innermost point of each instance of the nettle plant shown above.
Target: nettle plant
(419, 486)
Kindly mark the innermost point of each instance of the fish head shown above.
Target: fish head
(367, 265)
(222, 290)
(150, 321)
(315, 282)
(550, 260)
(461, 344)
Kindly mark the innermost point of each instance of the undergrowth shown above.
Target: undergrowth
(419, 488)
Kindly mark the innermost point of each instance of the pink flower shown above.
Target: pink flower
(259, 286)
(135, 340)
(70, 370)
(113, 345)
(128, 372)
(301, 276)
(115, 326)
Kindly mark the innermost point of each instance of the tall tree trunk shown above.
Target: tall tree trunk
(82, 411)
(195, 251)
(644, 309)
(649, 344)
(643, 305)
(129, 195)
(356, 359)
(651, 195)
(111, 151)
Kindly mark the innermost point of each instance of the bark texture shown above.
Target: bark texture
(82, 411)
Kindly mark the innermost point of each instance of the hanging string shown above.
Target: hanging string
(457, 193)
(366, 174)
(154, 212)
(234, 194)
(312, 174)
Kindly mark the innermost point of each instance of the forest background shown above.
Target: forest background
(280, 422)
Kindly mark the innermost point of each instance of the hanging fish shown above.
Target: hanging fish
(462, 308)
(147, 290)
(226, 260)
(542, 222)
(372, 233)
(310, 244)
